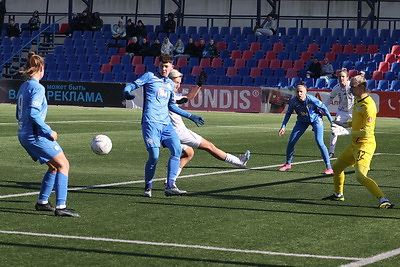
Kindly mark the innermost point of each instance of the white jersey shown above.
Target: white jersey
(186, 136)
(346, 98)
(176, 119)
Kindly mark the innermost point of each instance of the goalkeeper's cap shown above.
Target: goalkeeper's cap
(175, 74)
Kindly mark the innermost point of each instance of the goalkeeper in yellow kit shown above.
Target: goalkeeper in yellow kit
(359, 153)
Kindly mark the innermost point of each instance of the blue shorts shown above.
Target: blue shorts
(154, 134)
(42, 148)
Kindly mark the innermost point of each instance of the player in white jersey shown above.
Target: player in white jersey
(190, 139)
(345, 107)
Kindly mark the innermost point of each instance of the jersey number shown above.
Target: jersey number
(360, 155)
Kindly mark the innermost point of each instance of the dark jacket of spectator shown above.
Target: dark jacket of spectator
(96, 23)
(12, 29)
(190, 48)
(34, 22)
(170, 24)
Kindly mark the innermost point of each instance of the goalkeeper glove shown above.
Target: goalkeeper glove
(202, 78)
(127, 93)
(339, 130)
(197, 119)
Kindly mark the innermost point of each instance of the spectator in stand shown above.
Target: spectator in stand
(314, 70)
(130, 29)
(141, 30)
(73, 25)
(326, 70)
(269, 27)
(200, 48)
(179, 49)
(2, 13)
(190, 48)
(34, 22)
(154, 49)
(170, 24)
(83, 22)
(144, 47)
(13, 29)
(119, 30)
(96, 23)
(133, 47)
(167, 47)
(211, 50)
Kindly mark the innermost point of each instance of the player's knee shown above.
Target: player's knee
(189, 153)
(207, 145)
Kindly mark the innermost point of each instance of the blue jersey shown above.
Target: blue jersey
(158, 98)
(309, 110)
(32, 110)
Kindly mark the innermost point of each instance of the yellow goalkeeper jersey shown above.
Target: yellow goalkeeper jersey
(364, 117)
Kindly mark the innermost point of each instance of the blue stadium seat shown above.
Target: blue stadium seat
(315, 32)
(371, 85)
(236, 81)
(259, 81)
(319, 83)
(223, 80)
(291, 31)
(309, 82)
(247, 81)
(211, 80)
(395, 85)
(383, 85)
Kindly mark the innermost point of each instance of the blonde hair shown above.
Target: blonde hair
(359, 79)
(33, 65)
(175, 74)
(344, 70)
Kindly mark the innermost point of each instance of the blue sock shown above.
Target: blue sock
(61, 188)
(173, 166)
(47, 186)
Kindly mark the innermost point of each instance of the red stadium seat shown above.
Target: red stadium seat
(305, 56)
(137, 60)
(181, 61)
(337, 48)
(216, 62)
(395, 50)
(287, 64)
(247, 55)
(231, 71)
(196, 70)
(384, 67)
(298, 64)
(353, 73)
(255, 46)
(377, 75)
(221, 46)
(140, 69)
(115, 59)
(373, 49)
(390, 58)
(235, 54)
(330, 56)
(255, 72)
(349, 48)
(278, 47)
(205, 62)
(262, 63)
(239, 63)
(270, 55)
(361, 49)
(312, 48)
(275, 64)
(105, 68)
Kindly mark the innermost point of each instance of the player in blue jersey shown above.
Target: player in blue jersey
(39, 140)
(157, 130)
(309, 111)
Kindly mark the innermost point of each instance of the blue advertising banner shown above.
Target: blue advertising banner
(70, 93)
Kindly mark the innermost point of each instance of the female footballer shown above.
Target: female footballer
(40, 141)
(359, 153)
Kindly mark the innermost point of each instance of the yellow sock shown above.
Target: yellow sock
(371, 185)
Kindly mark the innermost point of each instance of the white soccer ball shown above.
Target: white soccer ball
(101, 144)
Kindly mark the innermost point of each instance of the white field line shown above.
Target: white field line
(161, 179)
(138, 242)
(374, 259)
(180, 177)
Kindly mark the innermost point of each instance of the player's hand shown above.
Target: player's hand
(127, 93)
(181, 101)
(281, 131)
(202, 78)
(197, 119)
(53, 136)
(339, 130)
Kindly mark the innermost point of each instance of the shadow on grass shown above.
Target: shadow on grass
(132, 254)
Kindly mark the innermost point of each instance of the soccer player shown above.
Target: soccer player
(361, 150)
(190, 139)
(309, 111)
(345, 107)
(158, 91)
(40, 141)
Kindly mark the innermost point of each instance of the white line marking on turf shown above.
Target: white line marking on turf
(374, 259)
(138, 242)
(162, 179)
(180, 177)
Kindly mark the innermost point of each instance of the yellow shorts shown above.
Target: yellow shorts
(360, 154)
